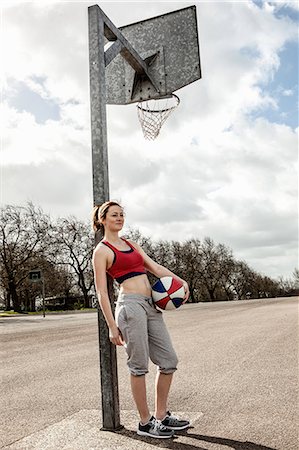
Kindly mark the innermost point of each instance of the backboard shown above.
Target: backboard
(169, 43)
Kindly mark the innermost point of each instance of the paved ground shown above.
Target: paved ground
(237, 380)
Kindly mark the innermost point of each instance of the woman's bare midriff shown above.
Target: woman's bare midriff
(137, 285)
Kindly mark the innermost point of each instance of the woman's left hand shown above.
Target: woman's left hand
(187, 292)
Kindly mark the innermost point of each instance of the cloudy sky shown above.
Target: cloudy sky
(224, 165)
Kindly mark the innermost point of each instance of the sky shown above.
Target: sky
(225, 162)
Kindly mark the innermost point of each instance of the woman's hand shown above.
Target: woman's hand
(115, 336)
(187, 292)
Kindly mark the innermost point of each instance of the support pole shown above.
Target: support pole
(108, 361)
(43, 294)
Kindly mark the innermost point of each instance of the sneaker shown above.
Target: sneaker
(174, 423)
(154, 428)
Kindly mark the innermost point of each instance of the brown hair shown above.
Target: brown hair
(99, 213)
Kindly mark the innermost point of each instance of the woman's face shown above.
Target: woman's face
(114, 220)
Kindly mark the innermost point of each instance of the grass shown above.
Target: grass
(69, 311)
(7, 313)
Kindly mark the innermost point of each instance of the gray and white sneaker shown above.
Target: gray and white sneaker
(154, 428)
(174, 423)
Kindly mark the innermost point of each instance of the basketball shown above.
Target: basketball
(168, 293)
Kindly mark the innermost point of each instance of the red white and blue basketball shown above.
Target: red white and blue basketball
(168, 293)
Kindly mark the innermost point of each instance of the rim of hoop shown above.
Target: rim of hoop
(139, 105)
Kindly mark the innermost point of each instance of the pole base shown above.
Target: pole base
(120, 427)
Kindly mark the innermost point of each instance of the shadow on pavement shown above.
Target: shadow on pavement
(172, 444)
(236, 445)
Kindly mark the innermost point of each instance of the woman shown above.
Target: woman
(138, 325)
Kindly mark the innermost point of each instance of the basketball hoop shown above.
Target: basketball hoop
(153, 113)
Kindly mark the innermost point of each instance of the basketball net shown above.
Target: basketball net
(153, 113)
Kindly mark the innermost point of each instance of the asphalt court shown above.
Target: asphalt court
(237, 380)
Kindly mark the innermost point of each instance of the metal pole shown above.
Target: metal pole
(43, 293)
(108, 361)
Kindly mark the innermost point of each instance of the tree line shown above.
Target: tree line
(62, 250)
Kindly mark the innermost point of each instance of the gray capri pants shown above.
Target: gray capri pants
(145, 334)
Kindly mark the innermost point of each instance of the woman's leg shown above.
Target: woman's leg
(131, 318)
(162, 354)
(138, 387)
(163, 382)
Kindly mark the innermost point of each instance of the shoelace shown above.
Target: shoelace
(158, 425)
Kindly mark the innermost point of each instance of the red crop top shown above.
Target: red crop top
(126, 263)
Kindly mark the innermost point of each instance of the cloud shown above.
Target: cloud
(25, 141)
(33, 101)
(293, 5)
(60, 188)
(59, 58)
(288, 92)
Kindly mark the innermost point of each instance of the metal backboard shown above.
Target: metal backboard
(169, 44)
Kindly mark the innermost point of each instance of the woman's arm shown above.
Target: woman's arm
(99, 262)
(160, 271)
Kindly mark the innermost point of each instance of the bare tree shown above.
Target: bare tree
(264, 286)
(240, 281)
(73, 247)
(145, 242)
(216, 262)
(188, 263)
(287, 286)
(57, 281)
(296, 280)
(22, 237)
(163, 253)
